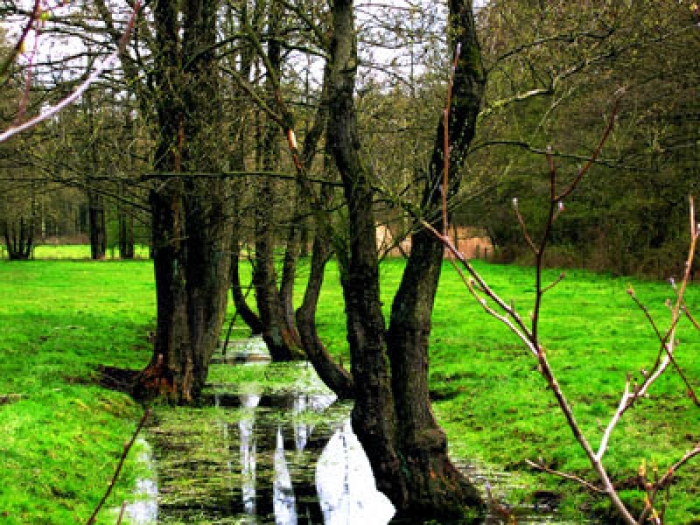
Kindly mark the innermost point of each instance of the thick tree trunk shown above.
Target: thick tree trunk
(331, 373)
(281, 340)
(421, 441)
(280, 336)
(191, 228)
(373, 417)
(392, 415)
(435, 488)
(289, 266)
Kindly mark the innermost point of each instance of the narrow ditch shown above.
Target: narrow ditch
(260, 451)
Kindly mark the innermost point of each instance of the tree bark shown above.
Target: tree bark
(280, 336)
(331, 373)
(421, 441)
(392, 415)
(191, 228)
(239, 297)
(98, 233)
(373, 416)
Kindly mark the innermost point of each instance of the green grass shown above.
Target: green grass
(62, 435)
(74, 251)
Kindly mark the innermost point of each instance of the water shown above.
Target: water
(261, 457)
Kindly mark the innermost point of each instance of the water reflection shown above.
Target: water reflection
(144, 510)
(283, 492)
(345, 483)
(262, 458)
(247, 448)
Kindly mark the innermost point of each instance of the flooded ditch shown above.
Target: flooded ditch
(271, 445)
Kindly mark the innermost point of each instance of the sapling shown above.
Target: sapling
(528, 333)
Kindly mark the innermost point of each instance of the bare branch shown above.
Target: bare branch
(564, 475)
(596, 153)
(82, 88)
(125, 452)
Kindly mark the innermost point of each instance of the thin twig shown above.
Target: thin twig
(666, 479)
(583, 170)
(125, 452)
(523, 228)
(82, 88)
(564, 475)
(121, 513)
(561, 277)
(691, 318)
(23, 37)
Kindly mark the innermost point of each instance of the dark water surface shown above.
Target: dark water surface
(269, 457)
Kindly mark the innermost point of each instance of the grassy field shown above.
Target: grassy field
(74, 251)
(63, 435)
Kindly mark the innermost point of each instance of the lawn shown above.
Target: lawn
(63, 435)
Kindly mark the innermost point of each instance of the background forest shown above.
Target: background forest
(552, 68)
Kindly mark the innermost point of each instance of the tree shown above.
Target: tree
(552, 67)
(191, 231)
(392, 415)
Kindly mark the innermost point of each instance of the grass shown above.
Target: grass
(74, 251)
(63, 435)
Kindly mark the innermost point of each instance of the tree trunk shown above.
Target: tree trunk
(126, 230)
(435, 482)
(289, 266)
(239, 297)
(332, 374)
(191, 228)
(392, 415)
(373, 417)
(281, 341)
(98, 230)
(19, 239)
(280, 337)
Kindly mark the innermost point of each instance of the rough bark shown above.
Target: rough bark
(392, 414)
(279, 332)
(289, 265)
(239, 296)
(331, 373)
(422, 442)
(373, 416)
(191, 232)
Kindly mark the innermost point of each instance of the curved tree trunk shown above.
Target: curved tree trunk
(332, 374)
(239, 297)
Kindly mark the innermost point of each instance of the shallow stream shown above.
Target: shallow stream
(260, 452)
